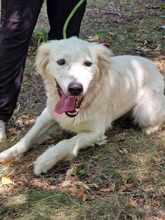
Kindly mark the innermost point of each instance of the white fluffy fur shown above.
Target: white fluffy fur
(113, 85)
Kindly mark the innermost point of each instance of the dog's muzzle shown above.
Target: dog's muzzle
(69, 104)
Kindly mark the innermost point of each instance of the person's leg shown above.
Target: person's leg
(58, 11)
(18, 18)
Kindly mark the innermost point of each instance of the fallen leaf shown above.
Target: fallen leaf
(12, 131)
(6, 180)
(108, 189)
(7, 162)
(75, 188)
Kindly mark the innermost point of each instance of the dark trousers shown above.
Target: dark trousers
(18, 19)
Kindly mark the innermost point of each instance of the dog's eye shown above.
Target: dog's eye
(87, 63)
(61, 62)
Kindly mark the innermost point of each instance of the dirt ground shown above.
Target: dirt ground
(123, 179)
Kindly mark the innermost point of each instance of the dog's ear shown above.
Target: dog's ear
(102, 52)
(42, 58)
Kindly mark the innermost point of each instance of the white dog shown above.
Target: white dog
(87, 89)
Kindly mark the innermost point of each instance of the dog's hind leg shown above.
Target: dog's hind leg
(43, 122)
(149, 111)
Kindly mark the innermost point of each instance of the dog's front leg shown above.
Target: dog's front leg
(43, 122)
(64, 150)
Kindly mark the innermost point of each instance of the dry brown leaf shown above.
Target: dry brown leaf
(75, 188)
(12, 131)
(7, 162)
(108, 189)
(6, 180)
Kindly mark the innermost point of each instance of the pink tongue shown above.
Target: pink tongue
(65, 104)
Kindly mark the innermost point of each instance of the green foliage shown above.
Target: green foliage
(39, 36)
(162, 5)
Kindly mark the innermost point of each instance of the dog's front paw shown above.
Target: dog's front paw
(13, 152)
(50, 157)
(8, 155)
(41, 165)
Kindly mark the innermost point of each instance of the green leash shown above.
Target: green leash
(70, 17)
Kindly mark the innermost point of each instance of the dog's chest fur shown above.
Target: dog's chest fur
(76, 124)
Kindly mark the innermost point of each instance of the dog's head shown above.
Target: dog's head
(74, 65)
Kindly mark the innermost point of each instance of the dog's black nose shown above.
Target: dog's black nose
(75, 89)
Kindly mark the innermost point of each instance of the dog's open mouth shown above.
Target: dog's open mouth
(68, 104)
